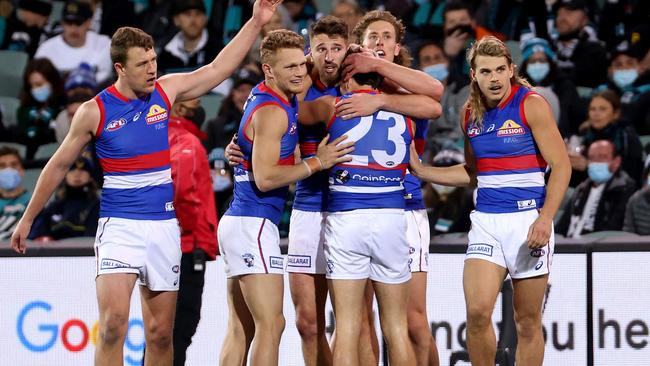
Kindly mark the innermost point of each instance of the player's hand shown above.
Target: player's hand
(334, 152)
(233, 153)
(263, 10)
(359, 63)
(359, 105)
(19, 237)
(539, 232)
(415, 165)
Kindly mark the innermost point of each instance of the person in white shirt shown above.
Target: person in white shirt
(78, 44)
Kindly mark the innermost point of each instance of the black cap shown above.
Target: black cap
(77, 12)
(36, 6)
(181, 6)
(574, 5)
(244, 76)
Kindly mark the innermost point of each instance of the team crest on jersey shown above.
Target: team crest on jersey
(156, 114)
(510, 128)
(115, 124)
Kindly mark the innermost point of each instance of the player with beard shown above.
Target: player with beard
(138, 237)
(511, 137)
(306, 265)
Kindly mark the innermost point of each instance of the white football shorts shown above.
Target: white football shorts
(306, 237)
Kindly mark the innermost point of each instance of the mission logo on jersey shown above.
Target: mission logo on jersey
(156, 114)
(510, 128)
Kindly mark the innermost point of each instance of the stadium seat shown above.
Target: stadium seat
(30, 178)
(211, 103)
(45, 152)
(22, 149)
(12, 65)
(9, 106)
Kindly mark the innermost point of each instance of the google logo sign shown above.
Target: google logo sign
(49, 332)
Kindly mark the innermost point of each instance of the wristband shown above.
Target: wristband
(308, 168)
(314, 164)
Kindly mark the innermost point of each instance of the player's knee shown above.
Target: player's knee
(418, 328)
(307, 324)
(478, 317)
(528, 325)
(272, 324)
(113, 328)
(159, 335)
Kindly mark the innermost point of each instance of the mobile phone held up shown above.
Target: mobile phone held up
(464, 28)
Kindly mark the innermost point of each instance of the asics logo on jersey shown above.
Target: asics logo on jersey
(137, 116)
(510, 128)
(375, 178)
(156, 114)
(115, 124)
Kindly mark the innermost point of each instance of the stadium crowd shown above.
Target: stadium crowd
(589, 59)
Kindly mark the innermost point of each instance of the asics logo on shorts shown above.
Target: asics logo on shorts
(482, 249)
(108, 263)
(248, 259)
(539, 265)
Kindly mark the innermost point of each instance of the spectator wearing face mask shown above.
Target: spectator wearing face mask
(448, 208)
(41, 100)
(637, 212)
(598, 203)
(540, 69)
(75, 209)
(444, 132)
(197, 216)
(13, 195)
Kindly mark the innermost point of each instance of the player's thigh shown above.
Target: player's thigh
(114, 292)
(528, 296)
(417, 296)
(308, 292)
(263, 294)
(392, 299)
(482, 282)
(306, 238)
(158, 309)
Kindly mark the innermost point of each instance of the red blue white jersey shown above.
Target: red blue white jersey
(248, 200)
(311, 192)
(509, 164)
(133, 150)
(373, 179)
(412, 185)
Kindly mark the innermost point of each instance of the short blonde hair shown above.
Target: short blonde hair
(279, 39)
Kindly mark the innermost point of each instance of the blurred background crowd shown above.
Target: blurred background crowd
(589, 59)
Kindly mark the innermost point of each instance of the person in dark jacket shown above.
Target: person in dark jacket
(75, 211)
(25, 27)
(598, 203)
(605, 123)
(637, 212)
(193, 46)
(197, 216)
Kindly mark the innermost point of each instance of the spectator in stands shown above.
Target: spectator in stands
(41, 100)
(302, 13)
(221, 129)
(349, 11)
(604, 123)
(639, 101)
(157, 21)
(598, 203)
(193, 46)
(540, 69)
(637, 212)
(448, 208)
(460, 29)
(197, 216)
(445, 131)
(80, 86)
(13, 195)
(579, 52)
(78, 44)
(75, 209)
(24, 28)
